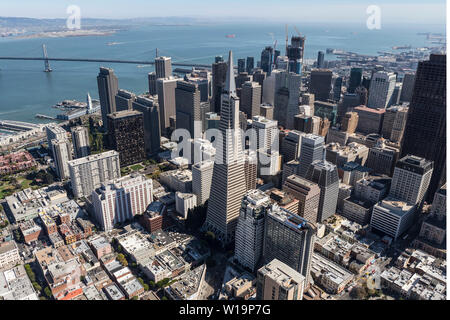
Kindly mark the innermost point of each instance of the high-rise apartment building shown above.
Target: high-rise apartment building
(54, 132)
(250, 229)
(126, 136)
(88, 173)
(148, 106)
(228, 182)
(80, 140)
(425, 132)
(121, 199)
(307, 193)
(62, 153)
(412, 176)
(290, 239)
(381, 89)
(325, 174)
(108, 86)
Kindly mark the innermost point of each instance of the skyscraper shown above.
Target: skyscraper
(241, 65)
(381, 89)
(166, 101)
(290, 239)
(202, 173)
(320, 83)
(425, 133)
(408, 87)
(308, 195)
(287, 96)
(325, 174)
(163, 67)
(394, 123)
(251, 99)
(152, 83)
(295, 52)
(337, 89)
(355, 79)
(108, 85)
(267, 60)
(126, 136)
(250, 64)
(311, 149)
(152, 136)
(411, 179)
(187, 101)
(250, 229)
(124, 100)
(80, 140)
(219, 73)
(349, 122)
(228, 185)
(320, 59)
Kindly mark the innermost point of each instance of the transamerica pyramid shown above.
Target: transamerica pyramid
(228, 181)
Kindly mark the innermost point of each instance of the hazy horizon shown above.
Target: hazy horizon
(432, 12)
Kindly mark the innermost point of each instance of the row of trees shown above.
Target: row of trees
(31, 275)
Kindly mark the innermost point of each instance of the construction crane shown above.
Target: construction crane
(287, 39)
(274, 48)
(46, 63)
(298, 32)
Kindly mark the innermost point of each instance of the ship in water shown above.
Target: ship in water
(230, 36)
(113, 43)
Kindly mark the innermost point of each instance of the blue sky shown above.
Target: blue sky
(414, 11)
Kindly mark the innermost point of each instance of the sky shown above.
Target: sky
(392, 11)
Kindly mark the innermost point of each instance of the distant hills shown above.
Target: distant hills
(21, 22)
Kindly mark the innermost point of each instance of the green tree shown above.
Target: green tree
(135, 298)
(358, 293)
(48, 292)
(37, 287)
(164, 298)
(146, 287)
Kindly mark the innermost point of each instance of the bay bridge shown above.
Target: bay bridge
(47, 68)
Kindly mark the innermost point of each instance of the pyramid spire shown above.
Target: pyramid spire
(230, 84)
